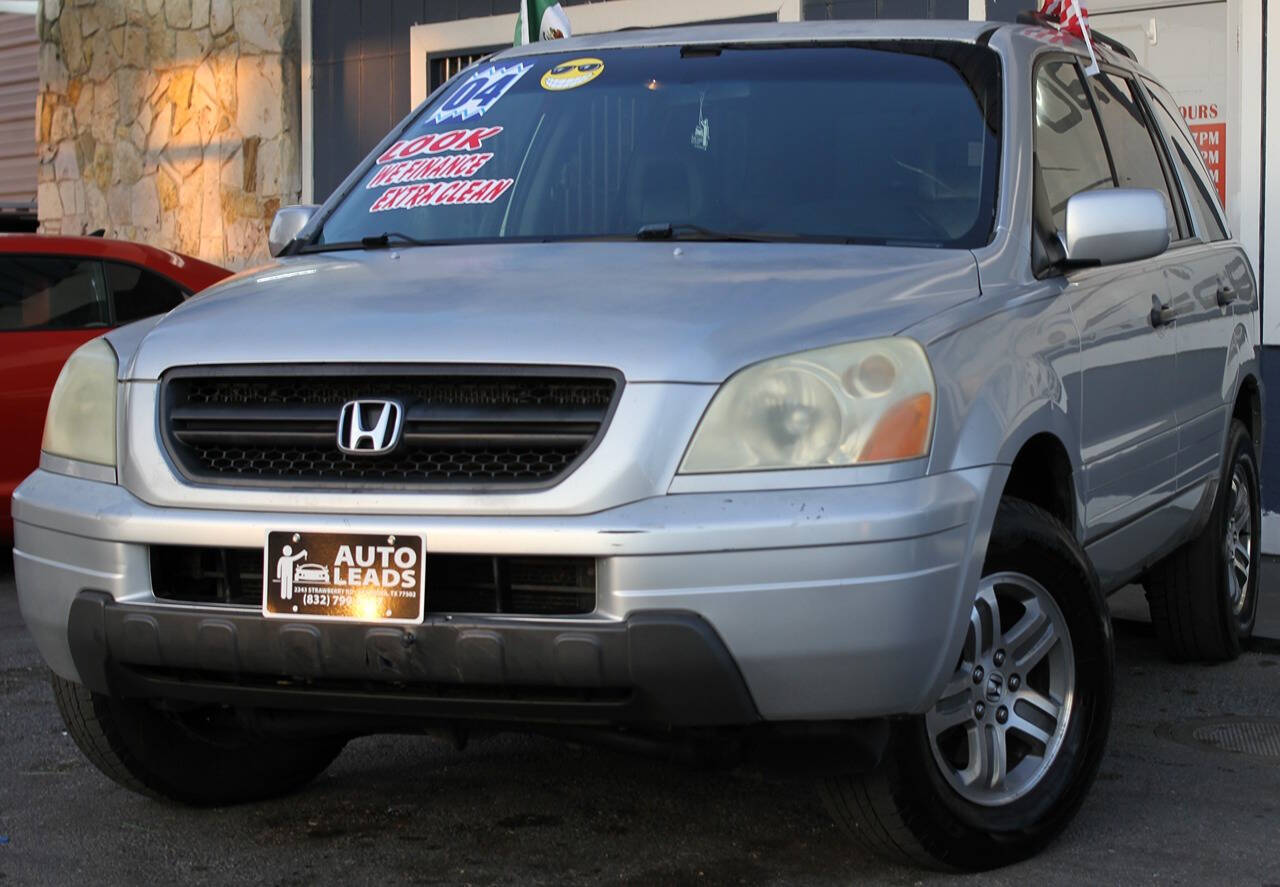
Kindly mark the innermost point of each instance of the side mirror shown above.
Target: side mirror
(285, 226)
(1115, 225)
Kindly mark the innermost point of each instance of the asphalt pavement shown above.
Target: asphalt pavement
(519, 810)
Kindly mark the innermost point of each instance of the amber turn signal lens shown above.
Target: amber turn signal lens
(902, 432)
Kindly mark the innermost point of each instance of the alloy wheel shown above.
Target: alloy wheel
(1239, 541)
(1000, 722)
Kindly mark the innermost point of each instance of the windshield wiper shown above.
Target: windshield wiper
(690, 231)
(375, 241)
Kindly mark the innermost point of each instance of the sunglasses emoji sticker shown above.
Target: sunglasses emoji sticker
(572, 74)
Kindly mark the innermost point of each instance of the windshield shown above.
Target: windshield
(896, 144)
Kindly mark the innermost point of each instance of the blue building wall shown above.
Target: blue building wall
(1271, 438)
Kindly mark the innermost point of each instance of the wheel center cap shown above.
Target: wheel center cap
(995, 687)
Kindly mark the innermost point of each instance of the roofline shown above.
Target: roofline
(815, 32)
(88, 246)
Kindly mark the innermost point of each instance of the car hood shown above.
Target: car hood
(686, 312)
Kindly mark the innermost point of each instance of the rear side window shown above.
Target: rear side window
(1190, 164)
(138, 293)
(1133, 151)
(51, 293)
(1070, 157)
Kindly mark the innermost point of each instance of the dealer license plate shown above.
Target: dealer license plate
(344, 576)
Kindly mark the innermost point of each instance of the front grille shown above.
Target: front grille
(480, 429)
(455, 583)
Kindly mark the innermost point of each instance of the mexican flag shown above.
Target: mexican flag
(541, 20)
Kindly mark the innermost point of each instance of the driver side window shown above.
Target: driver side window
(1069, 153)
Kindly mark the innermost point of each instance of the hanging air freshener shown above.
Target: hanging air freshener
(701, 138)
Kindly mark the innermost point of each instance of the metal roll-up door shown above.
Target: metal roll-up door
(18, 84)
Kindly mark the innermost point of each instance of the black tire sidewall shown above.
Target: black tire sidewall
(1241, 449)
(172, 759)
(1035, 545)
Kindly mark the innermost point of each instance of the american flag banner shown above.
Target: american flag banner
(1073, 18)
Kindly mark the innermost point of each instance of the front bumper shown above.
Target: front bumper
(633, 671)
(832, 603)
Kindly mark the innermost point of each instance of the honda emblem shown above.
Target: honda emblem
(370, 427)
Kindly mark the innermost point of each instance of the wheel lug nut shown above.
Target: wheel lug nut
(998, 659)
(978, 674)
(979, 710)
(1014, 681)
(1002, 714)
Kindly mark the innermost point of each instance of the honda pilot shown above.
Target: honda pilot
(793, 394)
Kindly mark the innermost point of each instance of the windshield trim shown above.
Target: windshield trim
(807, 239)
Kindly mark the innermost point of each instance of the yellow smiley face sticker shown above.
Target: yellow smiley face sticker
(572, 74)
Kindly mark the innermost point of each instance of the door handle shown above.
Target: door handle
(1161, 314)
(1226, 294)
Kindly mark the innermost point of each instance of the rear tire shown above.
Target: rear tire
(1204, 596)
(1003, 761)
(185, 757)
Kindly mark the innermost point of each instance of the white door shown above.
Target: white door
(1185, 46)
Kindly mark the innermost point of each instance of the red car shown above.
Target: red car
(55, 294)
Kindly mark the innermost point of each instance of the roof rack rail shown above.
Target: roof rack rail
(1039, 18)
(1114, 44)
(1036, 18)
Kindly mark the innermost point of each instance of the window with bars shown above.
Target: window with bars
(441, 68)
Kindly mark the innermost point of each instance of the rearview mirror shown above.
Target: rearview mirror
(1115, 225)
(285, 226)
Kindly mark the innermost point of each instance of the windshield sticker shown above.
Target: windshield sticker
(449, 166)
(480, 92)
(459, 192)
(572, 74)
(439, 142)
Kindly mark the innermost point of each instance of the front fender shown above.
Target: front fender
(1005, 374)
(1003, 379)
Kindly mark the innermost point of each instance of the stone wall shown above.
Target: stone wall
(172, 122)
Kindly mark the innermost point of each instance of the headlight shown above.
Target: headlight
(844, 405)
(81, 423)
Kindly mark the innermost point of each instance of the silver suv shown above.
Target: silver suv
(790, 393)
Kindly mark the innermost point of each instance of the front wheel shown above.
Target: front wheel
(193, 758)
(1000, 764)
